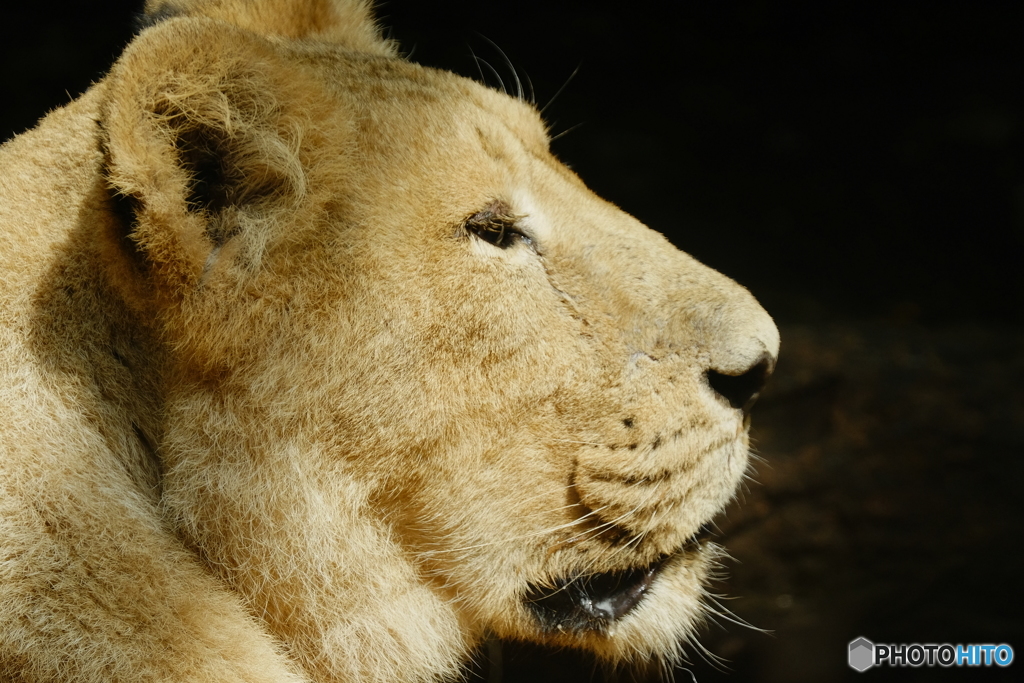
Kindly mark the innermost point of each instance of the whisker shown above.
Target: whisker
(483, 81)
(512, 68)
(727, 614)
(584, 443)
(567, 131)
(564, 85)
(540, 532)
(533, 94)
(716, 662)
(481, 60)
(611, 523)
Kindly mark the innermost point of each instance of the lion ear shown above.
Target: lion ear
(202, 139)
(345, 22)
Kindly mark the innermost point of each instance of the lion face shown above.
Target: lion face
(587, 382)
(415, 367)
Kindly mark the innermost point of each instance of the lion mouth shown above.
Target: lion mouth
(594, 602)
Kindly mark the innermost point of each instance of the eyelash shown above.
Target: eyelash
(497, 225)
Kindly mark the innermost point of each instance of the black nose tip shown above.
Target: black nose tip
(742, 390)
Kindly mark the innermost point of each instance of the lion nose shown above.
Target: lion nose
(743, 345)
(741, 390)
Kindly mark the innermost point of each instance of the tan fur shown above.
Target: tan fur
(273, 410)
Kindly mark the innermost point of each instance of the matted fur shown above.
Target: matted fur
(315, 362)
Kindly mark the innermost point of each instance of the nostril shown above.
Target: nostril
(742, 390)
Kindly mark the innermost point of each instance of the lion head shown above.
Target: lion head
(409, 382)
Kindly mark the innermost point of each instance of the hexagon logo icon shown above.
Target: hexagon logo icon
(862, 654)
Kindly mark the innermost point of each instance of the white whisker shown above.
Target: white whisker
(566, 131)
(564, 85)
(506, 540)
(584, 443)
(512, 68)
(481, 60)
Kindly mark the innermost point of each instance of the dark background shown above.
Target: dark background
(858, 166)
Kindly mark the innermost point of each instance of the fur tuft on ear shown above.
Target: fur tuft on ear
(346, 22)
(203, 147)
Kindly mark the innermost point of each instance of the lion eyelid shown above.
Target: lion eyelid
(499, 226)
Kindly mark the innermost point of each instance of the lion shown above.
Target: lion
(317, 365)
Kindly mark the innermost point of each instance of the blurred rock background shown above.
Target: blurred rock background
(859, 167)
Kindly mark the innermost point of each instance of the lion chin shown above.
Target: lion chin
(317, 365)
